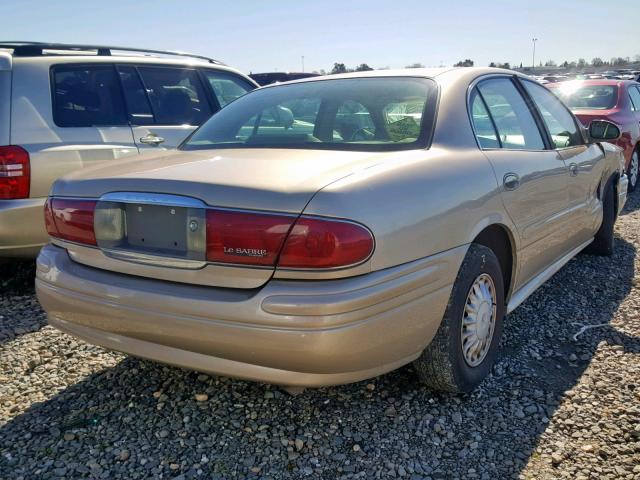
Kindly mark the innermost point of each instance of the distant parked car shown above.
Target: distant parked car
(617, 101)
(330, 230)
(278, 77)
(66, 107)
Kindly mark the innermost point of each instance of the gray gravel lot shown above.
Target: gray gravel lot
(554, 407)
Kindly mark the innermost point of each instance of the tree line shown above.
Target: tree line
(581, 63)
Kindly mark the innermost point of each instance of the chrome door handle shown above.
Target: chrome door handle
(573, 169)
(151, 139)
(511, 181)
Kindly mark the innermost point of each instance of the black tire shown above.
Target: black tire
(442, 365)
(635, 158)
(603, 242)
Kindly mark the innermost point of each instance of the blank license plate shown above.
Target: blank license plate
(157, 228)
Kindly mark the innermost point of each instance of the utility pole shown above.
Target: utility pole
(302, 63)
(533, 61)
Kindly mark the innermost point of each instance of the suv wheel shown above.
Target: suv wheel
(466, 344)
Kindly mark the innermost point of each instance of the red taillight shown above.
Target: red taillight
(263, 239)
(245, 238)
(324, 243)
(15, 173)
(49, 222)
(70, 219)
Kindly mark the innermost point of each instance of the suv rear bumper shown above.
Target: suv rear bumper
(22, 231)
(306, 333)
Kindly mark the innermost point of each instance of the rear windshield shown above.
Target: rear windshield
(589, 97)
(370, 114)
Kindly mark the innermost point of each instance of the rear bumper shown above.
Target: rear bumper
(22, 231)
(307, 333)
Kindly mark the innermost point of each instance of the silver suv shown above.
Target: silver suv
(66, 107)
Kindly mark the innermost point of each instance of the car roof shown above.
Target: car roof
(49, 60)
(450, 73)
(595, 82)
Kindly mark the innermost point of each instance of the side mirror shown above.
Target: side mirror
(602, 130)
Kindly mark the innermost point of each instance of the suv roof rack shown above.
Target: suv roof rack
(36, 49)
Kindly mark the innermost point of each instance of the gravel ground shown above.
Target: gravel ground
(555, 406)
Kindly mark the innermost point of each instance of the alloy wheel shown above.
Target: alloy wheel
(633, 169)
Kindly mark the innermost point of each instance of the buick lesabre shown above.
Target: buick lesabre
(332, 229)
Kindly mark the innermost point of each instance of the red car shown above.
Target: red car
(617, 101)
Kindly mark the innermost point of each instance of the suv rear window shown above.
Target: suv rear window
(226, 87)
(176, 94)
(86, 96)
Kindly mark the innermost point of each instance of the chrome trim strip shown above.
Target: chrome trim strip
(533, 284)
(153, 199)
(154, 260)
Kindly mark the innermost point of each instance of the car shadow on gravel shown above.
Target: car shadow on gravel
(20, 313)
(142, 420)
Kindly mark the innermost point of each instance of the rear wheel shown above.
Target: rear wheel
(461, 354)
(603, 241)
(633, 172)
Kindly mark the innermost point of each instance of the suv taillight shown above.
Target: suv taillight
(15, 173)
(266, 240)
(70, 220)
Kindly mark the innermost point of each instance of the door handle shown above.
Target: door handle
(151, 139)
(511, 181)
(573, 169)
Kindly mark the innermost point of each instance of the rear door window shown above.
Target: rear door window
(516, 126)
(226, 86)
(138, 105)
(482, 123)
(87, 96)
(176, 95)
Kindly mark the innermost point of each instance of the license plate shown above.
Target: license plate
(157, 228)
(151, 229)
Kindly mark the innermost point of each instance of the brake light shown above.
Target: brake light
(70, 219)
(264, 240)
(324, 243)
(15, 173)
(245, 238)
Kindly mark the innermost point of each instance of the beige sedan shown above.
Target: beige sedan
(330, 230)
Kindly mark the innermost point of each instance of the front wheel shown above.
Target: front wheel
(603, 241)
(466, 344)
(633, 173)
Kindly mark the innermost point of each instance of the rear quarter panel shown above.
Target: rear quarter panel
(418, 204)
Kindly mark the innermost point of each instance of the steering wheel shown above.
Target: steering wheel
(362, 134)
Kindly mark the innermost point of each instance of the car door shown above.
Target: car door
(165, 104)
(585, 162)
(78, 122)
(532, 179)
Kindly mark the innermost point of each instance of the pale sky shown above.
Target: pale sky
(273, 35)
